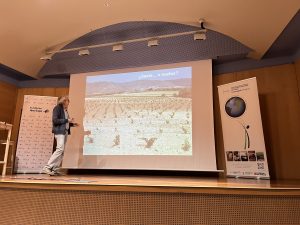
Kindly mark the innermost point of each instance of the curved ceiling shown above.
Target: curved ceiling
(138, 54)
(29, 27)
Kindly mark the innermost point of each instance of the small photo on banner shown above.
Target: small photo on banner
(35, 139)
(244, 145)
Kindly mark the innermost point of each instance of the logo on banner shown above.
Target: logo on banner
(38, 109)
(235, 107)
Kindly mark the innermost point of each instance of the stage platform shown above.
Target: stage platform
(152, 184)
(140, 199)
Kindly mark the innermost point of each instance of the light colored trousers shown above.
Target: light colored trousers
(55, 160)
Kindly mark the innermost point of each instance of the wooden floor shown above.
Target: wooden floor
(138, 183)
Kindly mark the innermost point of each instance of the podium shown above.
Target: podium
(7, 143)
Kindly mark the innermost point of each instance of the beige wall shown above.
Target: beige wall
(280, 109)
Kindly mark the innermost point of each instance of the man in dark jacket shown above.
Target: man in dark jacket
(61, 124)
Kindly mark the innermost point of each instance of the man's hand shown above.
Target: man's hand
(71, 120)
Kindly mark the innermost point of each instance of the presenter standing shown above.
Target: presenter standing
(61, 124)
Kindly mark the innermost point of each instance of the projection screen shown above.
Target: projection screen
(150, 118)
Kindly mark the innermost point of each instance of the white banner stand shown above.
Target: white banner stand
(35, 140)
(243, 137)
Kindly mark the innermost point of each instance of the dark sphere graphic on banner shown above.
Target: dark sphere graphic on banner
(235, 107)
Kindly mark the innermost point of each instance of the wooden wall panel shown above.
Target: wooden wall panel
(280, 109)
(8, 94)
(297, 68)
(219, 80)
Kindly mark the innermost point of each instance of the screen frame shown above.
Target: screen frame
(202, 72)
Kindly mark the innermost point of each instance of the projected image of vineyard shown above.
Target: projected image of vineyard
(139, 113)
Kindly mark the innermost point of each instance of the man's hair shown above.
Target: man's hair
(62, 99)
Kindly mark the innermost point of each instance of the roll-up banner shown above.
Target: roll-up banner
(35, 140)
(243, 137)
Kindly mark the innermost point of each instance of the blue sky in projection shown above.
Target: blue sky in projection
(165, 74)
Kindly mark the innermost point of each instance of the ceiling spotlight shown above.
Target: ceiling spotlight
(200, 35)
(118, 47)
(46, 57)
(153, 42)
(83, 52)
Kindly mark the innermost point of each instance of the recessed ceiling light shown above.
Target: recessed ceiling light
(83, 52)
(118, 47)
(200, 36)
(153, 42)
